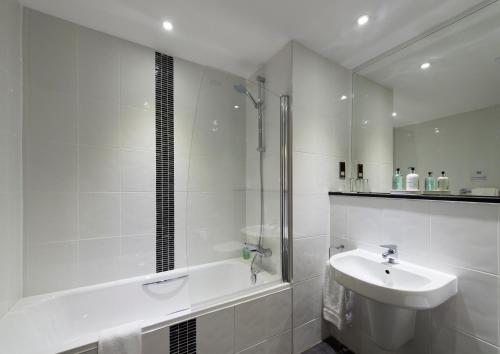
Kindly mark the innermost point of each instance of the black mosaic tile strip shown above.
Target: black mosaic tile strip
(183, 337)
(164, 104)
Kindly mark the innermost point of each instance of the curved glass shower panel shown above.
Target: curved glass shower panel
(231, 175)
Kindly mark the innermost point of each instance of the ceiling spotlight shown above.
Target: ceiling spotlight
(363, 20)
(425, 66)
(343, 98)
(236, 107)
(168, 26)
(394, 114)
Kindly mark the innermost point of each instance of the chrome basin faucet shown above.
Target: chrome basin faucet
(391, 254)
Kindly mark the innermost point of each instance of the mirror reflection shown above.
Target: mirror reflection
(432, 110)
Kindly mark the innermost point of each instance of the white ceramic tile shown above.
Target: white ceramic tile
(50, 267)
(281, 344)
(51, 58)
(138, 171)
(98, 65)
(466, 235)
(50, 217)
(98, 123)
(137, 70)
(311, 215)
(307, 300)
(137, 127)
(99, 169)
(50, 167)
(99, 215)
(215, 332)
(474, 309)
(50, 115)
(407, 224)
(309, 257)
(138, 214)
(306, 336)
(156, 342)
(448, 341)
(259, 319)
(181, 171)
(366, 221)
(98, 260)
(311, 173)
(138, 255)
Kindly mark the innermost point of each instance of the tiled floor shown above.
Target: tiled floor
(329, 346)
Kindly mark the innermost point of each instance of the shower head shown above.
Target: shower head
(243, 90)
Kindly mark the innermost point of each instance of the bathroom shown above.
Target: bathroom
(222, 177)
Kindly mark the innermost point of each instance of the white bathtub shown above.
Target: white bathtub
(67, 320)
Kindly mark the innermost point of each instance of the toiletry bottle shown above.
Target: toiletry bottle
(443, 183)
(397, 180)
(430, 182)
(245, 252)
(412, 180)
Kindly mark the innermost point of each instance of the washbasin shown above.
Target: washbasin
(402, 284)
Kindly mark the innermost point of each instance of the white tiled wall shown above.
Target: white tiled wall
(89, 156)
(320, 142)
(10, 155)
(459, 238)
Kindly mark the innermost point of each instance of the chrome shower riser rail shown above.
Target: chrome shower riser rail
(285, 190)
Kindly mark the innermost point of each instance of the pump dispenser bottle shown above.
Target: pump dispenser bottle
(397, 181)
(412, 181)
(430, 182)
(443, 183)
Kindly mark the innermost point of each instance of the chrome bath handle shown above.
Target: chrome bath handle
(166, 280)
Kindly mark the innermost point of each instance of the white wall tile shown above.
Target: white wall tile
(215, 332)
(466, 235)
(281, 344)
(99, 215)
(138, 213)
(136, 71)
(137, 127)
(138, 171)
(98, 65)
(306, 336)
(50, 167)
(156, 342)
(50, 267)
(309, 257)
(50, 217)
(307, 300)
(311, 215)
(138, 255)
(98, 123)
(311, 173)
(366, 222)
(448, 341)
(99, 169)
(98, 260)
(262, 318)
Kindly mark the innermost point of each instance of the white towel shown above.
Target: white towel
(337, 301)
(124, 339)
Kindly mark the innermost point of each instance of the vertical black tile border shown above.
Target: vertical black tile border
(164, 104)
(183, 337)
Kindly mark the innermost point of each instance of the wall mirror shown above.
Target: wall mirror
(432, 104)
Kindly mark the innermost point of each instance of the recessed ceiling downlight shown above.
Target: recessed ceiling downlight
(363, 20)
(394, 114)
(425, 66)
(168, 26)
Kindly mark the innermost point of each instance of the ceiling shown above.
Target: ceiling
(464, 75)
(239, 35)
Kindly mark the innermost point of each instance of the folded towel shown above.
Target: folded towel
(337, 301)
(125, 339)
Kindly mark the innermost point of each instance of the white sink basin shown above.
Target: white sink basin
(402, 284)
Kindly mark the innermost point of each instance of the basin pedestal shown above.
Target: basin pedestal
(390, 327)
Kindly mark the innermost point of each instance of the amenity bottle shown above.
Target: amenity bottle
(412, 180)
(430, 182)
(397, 180)
(443, 182)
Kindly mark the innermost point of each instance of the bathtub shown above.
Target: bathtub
(70, 321)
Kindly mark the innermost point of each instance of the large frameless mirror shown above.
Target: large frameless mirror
(432, 107)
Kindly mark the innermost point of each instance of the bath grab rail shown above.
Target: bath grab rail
(166, 280)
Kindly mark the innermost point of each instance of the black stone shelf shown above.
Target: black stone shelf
(451, 198)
